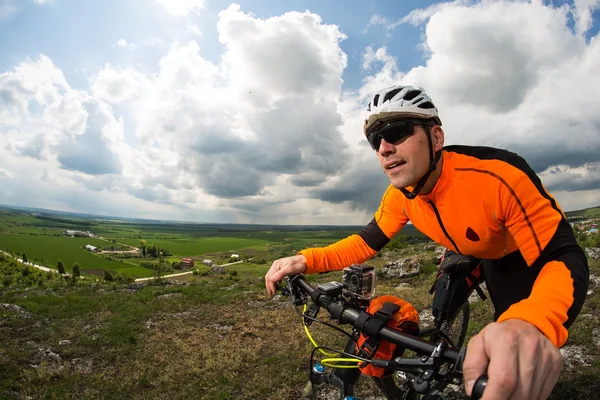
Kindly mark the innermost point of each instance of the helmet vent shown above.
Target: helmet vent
(411, 95)
(375, 103)
(389, 95)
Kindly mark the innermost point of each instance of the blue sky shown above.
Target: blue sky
(208, 110)
(81, 35)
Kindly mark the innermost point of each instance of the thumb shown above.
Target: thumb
(475, 363)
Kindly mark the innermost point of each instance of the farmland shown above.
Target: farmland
(41, 236)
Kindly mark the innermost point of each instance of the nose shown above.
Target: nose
(386, 148)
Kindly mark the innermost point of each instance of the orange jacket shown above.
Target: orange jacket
(487, 203)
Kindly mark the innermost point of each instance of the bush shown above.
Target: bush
(76, 270)
(124, 278)
(108, 276)
(7, 280)
(61, 267)
(201, 270)
(149, 264)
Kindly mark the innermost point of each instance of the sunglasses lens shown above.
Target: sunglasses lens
(391, 133)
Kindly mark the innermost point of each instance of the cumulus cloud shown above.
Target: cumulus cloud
(268, 109)
(496, 83)
(118, 85)
(267, 134)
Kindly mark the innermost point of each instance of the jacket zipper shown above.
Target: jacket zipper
(437, 214)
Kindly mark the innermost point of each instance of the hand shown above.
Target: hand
(284, 267)
(520, 361)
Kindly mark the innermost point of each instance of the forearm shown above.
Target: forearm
(558, 293)
(348, 251)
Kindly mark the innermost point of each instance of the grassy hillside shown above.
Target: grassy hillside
(585, 213)
(214, 337)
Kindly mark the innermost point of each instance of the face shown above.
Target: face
(407, 160)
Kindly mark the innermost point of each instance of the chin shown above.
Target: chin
(400, 183)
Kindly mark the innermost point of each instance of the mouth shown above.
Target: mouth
(392, 165)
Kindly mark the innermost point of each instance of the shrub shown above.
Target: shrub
(61, 267)
(76, 270)
(108, 276)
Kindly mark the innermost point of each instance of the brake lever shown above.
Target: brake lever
(311, 312)
(296, 296)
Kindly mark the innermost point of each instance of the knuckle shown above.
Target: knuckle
(507, 380)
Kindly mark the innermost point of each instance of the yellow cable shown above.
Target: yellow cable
(326, 360)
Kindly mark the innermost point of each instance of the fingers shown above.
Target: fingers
(555, 362)
(520, 361)
(503, 370)
(271, 278)
(282, 268)
(476, 362)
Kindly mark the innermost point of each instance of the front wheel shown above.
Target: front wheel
(456, 325)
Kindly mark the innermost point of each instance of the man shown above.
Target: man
(478, 201)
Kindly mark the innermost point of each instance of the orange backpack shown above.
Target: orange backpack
(396, 313)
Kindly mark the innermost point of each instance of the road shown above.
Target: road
(188, 272)
(30, 263)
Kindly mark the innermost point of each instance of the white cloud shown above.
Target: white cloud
(122, 43)
(583, 14)
(42, 2)
(182, 8)
(117, 86)
(496, 83)
(267, 135)
(4, 173)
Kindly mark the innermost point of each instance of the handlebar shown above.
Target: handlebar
(345, 313)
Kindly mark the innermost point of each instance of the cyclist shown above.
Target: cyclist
(482, 202)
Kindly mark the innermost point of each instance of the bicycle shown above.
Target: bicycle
(437, 362)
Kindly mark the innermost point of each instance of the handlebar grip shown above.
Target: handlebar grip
(479, 387)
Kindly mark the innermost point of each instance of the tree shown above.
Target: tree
(24, 257)
(143, 247)
(61, 267)
(108, 276)
(76, 271)
(152, 251)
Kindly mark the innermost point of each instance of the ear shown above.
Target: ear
(437, 137)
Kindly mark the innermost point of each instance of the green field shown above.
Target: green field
(586, 212)
(196, 247)
(67, 249)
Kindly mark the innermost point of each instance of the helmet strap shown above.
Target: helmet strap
(433, 159)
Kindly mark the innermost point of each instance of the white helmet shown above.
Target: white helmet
(400, 101)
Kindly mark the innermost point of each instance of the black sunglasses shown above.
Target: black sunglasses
(393, 132)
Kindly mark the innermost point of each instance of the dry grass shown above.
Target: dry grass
(218, 338)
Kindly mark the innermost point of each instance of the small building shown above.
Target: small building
(235, 256)
(91, 248)
(207, 262)
(187, 262)
(78, 233)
